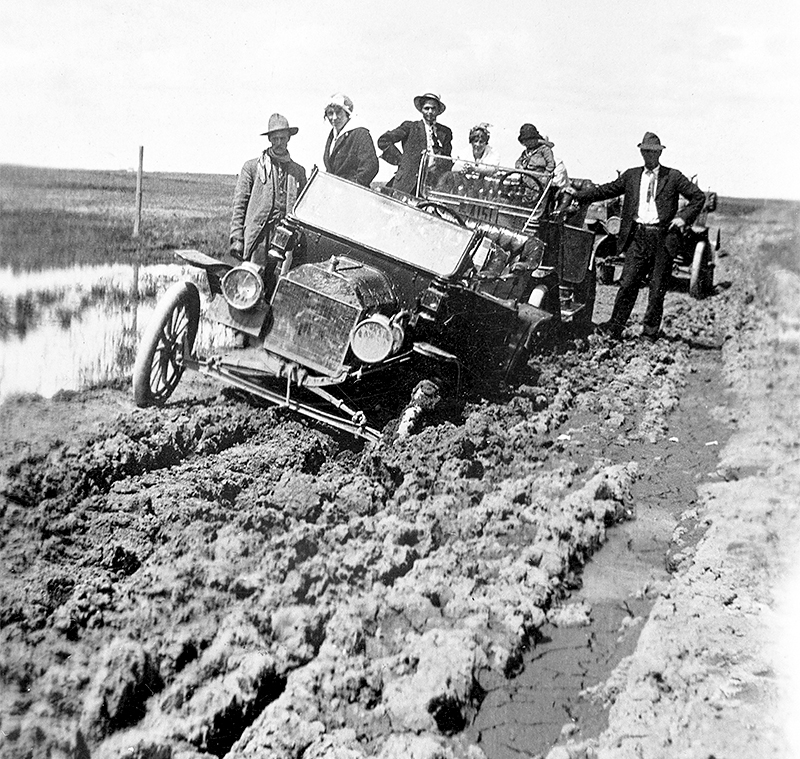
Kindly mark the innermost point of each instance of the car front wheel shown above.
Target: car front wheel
(171, 331)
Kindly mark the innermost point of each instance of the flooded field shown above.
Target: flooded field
(67, 329)
(76, 289)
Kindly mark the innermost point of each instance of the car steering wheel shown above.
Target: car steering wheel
(513, 181)
(442, 211)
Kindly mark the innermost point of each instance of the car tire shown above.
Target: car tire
(582, 322)
(172, 329)
(699, 273)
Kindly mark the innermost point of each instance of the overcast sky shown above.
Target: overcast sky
(83, 83)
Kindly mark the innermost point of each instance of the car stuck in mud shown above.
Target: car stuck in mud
(213, 578)
(359, 284)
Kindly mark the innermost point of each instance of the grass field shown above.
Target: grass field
(56, 218)
(61, 217)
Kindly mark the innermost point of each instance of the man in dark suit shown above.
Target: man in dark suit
(649, 232)
(416, 137)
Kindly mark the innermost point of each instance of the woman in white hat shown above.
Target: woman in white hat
(349, 151)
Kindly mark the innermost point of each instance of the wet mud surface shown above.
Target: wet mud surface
(219, 579)
(588, 635)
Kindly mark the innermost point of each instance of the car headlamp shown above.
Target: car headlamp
(613, 224)
(243, 286)
(376, 338)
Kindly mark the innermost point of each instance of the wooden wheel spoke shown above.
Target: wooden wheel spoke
(159, 365)
(179, 322)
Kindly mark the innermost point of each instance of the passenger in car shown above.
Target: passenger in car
(537, 156)
(349, 152)
(480, 150)
(538, 153)
(266, 190)
(416, 137)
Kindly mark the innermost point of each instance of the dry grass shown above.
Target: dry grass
(62, 217)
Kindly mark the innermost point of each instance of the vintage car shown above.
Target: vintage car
(528, 203)
(693, 267)
(358, 285)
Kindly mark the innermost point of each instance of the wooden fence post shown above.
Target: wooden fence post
(137, 221)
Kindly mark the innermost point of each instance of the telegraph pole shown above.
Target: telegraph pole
(137, 221)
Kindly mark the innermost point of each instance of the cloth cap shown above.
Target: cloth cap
(278, 122)
(340, 101)
(420, 99)
(650, 141)
(530, 132)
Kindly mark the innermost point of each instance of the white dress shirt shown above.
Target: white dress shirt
(648, 214)
(429, 137)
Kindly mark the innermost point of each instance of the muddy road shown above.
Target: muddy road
(586, 561)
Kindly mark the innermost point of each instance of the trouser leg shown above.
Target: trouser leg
(633, 271)
(663, 255)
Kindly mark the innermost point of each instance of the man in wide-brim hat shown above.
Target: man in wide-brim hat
(278, 123)
(266, 190)
(648, 233)
(416, 137)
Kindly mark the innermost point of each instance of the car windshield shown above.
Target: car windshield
(382, 224)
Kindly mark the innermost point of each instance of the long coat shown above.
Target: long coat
(254, 202)
(412, 136)
(352, 156)
(671, 184)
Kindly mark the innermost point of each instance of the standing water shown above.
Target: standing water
(67, 329)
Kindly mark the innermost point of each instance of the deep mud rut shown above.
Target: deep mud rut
(215, 578)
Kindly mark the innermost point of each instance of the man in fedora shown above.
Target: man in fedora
(416, 137)
(648, 233)
(265, 192)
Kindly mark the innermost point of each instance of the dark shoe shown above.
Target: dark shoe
(650, 337)
(614, 331)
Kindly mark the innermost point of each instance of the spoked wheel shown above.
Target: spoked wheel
(442, 211)
(701, 271)
(159, 360)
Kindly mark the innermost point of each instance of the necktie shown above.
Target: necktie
(651, 185)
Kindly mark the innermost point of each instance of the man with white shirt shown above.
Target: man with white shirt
(649, 232)
(416, 137)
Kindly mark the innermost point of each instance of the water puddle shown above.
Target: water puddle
(67, 329)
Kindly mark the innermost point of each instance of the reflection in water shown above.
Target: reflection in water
(67, 329)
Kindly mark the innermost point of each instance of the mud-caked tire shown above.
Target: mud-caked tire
(586, 293)
(171, 331)
(701, 275)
